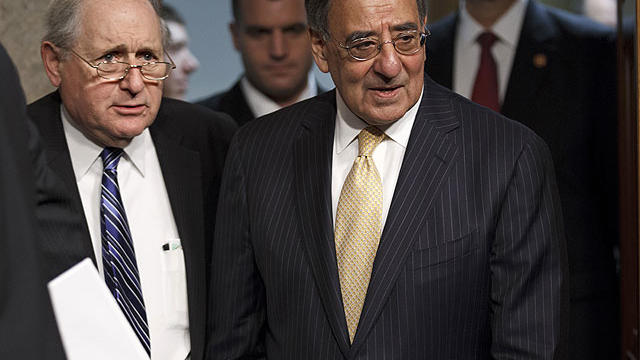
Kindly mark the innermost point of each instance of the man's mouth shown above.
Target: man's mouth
(130, 109)
(386, 91)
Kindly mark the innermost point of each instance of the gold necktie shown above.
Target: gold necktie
(357, 233)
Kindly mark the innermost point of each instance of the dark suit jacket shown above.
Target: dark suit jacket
(571, 103)
(470, 263)
(191, 143)
(234, 103)
(27, 325)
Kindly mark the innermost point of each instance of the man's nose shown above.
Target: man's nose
(191, 63)
(387, 63)
(277, 45)
(133, 80)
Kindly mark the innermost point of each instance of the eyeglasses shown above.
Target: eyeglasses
(405, 43)
(118, 70)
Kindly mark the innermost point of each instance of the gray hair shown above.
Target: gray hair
(63, 18)
(318, 13)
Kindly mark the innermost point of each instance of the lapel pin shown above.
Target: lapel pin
(540, 61)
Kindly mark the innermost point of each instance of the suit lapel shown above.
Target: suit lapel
(429, 154)
(534, 56)
(182, 174)
(312, 162)
(47, 117)
(441, 43)
(235, 104)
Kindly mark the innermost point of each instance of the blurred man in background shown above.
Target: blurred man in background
(556, 73)
(177, 85)
(271, 37)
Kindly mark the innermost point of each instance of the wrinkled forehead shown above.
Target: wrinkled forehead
(126, 24)
(372, 16)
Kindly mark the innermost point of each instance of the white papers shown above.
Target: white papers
(91, 324)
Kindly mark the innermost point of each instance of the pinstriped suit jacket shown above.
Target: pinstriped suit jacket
(471, 263)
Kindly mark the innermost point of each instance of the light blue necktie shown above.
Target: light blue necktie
(118, 256)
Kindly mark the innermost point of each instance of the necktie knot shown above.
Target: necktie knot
(368, 139)
(110, 158)
(487, 39)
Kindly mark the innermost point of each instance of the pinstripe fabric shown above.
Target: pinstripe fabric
(470, 264)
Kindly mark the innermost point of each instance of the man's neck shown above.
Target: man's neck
(289, 100)
(487, 12)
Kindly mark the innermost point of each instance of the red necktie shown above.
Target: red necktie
(485, 89)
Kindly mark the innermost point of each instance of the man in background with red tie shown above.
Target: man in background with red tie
(554, 72)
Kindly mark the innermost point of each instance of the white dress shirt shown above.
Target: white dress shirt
(151, 221)
(387, 156)
(467, 50)
(262, 105)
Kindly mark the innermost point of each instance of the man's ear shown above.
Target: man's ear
(233, 29)
(51, 58)
(319, 50)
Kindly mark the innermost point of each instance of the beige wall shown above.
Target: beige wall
(21, 29)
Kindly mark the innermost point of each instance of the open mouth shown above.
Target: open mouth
(386, 91)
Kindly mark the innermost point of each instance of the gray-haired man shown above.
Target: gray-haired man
(144, 169)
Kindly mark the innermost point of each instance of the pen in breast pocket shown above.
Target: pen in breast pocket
(172, 245)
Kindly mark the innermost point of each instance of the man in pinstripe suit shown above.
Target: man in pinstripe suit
(469, 261)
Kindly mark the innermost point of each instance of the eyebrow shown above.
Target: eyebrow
(254, 27)
(117, 48)
(359, 35)
(147, 49)
(365, 34)
(405, 27)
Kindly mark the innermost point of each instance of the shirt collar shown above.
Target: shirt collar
(349, 125)
(84, 152)
(469, 29)
(261, 104)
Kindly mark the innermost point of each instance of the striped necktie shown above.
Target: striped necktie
(357, 232)
(118, 256)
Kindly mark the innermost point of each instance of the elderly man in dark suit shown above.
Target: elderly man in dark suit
(555, 73)
(145, 170)
(388, 219)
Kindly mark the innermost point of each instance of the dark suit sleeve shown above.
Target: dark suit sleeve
(528, 264)
(26, 318)
(237, 300)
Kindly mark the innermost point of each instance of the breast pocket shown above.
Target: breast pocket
(427, 255)
(174, 284)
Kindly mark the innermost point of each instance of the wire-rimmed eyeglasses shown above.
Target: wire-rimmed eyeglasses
(405, 43)
(118, 70)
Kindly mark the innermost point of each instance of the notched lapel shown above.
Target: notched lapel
(182, 174)
(534, 57)
(59, 161)
(312, 162)
(440, 48)
(430, 152)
